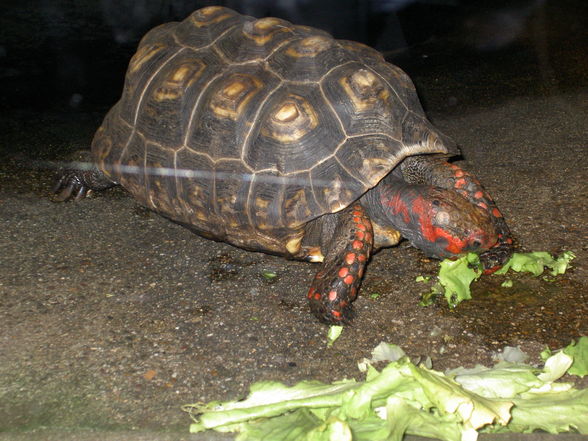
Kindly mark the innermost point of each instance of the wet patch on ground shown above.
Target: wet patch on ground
(548, 310)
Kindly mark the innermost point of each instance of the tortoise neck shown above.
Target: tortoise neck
(373, 201)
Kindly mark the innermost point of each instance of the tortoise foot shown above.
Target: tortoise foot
(71, 186)
(76, 184)
(335, 286)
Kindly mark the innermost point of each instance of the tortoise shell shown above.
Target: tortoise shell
(245, 130)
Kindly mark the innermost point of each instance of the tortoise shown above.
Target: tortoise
(279, 138)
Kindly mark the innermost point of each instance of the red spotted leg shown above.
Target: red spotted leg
(437, 172)
(346, 252)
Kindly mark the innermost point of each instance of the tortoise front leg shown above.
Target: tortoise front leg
(346, 252)
(436, 171)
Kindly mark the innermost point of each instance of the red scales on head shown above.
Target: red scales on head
(440, 222)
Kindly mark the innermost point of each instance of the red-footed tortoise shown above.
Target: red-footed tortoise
(279, 138)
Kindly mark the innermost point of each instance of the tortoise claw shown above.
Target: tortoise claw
(70, 187)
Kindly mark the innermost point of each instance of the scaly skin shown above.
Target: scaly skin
(439, 173)
(336, 284)
(443, 221)
(439, 222)
(76, 184)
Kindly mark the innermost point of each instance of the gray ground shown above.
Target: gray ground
(112, 317)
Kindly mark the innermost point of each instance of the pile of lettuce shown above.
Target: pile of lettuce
(405, 398)
(456, 276)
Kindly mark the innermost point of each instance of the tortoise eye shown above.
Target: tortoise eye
(476, 244)
(436, 202)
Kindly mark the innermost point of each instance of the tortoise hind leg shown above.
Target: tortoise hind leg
(346, 252)
(79, 181)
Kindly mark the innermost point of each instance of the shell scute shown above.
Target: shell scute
(307, 59)
(255, 40)
(365, 102)
(334, 187)
(204, 26)
(159, 179)
(144, 66)
(130, 168)
(195, 189)
(231, 183)
(295, 130)
(368, 157)
(226, 111)
(299, 201)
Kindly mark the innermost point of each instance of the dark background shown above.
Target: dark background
(73, 54)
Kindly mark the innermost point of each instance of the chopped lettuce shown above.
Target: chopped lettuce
(333, 334)
(579, 352)
(536, 263)
(405, 398)
(456, 276)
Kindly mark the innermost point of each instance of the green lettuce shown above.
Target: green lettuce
(579, 352)
(333, 334)
(405, 398)
(456, 276)
(536, 263)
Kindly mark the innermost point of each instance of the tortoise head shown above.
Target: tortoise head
(440, 222)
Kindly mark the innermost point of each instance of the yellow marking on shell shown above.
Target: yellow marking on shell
(295, 203)
(263, 30)
(197, 196)
(288, 112)
(293, 245)
(179, 80)
(364, 89)
(261, 203)
(208, 16)
(293, 119)
(332, 195)
(309, 46)
(201, 216)
(374, 169)
(230, 100)
(233, 90)
(144, 54)
(180, 73)
(163, 94)
(338, 205)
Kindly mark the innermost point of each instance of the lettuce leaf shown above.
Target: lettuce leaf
(456, 276)
(404, 398)
(579, 352)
